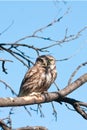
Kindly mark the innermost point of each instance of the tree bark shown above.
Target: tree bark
(45, 97)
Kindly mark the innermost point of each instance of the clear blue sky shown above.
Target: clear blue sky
(28, 17)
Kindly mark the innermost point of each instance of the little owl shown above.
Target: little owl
(40, 77)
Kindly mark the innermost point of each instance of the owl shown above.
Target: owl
(40, 77)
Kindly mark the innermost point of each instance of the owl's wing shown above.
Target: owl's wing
(29, 81)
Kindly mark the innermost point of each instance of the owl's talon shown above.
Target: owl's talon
(37, 94)
(45, 92)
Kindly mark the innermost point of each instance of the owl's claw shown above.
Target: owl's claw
(37, 94)
(44, 92)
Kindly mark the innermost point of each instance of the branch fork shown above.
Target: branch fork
(59, 96)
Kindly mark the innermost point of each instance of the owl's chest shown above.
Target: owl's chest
(46, 78)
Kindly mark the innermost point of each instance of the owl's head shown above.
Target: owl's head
(46, 61)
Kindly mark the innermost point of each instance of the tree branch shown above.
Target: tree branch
(48, 97)
(43, 28)
(32, 128)
(3, 64)
(7, 28)
(73, 86)
(76, 105)
(66, 39)
(45, 97)
(76, 70)
(4, 126)
(8, 86)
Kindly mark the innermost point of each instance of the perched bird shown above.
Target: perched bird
(40, 77)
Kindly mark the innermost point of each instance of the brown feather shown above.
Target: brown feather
(40, 77)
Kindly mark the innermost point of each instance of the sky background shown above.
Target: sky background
(28, 17)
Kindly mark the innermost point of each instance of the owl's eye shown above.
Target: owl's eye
(41, 60)
(49, 61)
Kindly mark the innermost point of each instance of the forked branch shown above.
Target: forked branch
(49, 97)
(77, 105)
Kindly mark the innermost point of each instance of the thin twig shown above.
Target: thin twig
(3, 64)
(4, 126)
(5, 60)
(7, 28)
(76, 105)
(66, 39)
(45, 27)
(39, 108)
(56, 85)
(76, 70)
(12, 53)
(74, 54)
(8, 86)
(13, 92)
(54, 111)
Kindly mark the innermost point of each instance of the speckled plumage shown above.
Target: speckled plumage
(40, 77)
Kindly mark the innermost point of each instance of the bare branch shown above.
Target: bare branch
(39, 109)
(5, 60)
(4, 126)
(15, 55)
(74, 54)
(54, 111)
(3, 67)
(76, 70)
(73, 86)
(15, 45)
(41, 29)
(47, 97)
(66, 39)
(13, 92)
(32, 128)
(79, 110)
(3, 64)
(8, 86)
(7, 28)
(19, 55)
(76, 105)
